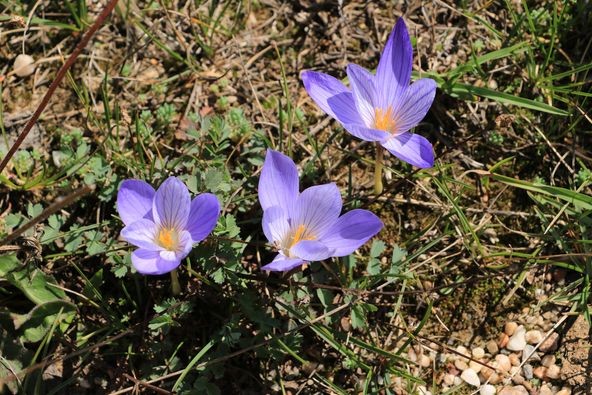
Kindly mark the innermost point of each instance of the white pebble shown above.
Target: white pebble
(487, 389)
(533, 337)
(476, 366)
(470, 377)
(503, 362)
(553, 372)
(478, 352)
(548, 360)
(518, 340)
(24, 65)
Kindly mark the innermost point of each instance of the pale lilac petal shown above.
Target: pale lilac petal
(414, 104)
(311, 250)
(331, 96)
(394, 68)
(150, 262)
(411, 148)
(134, 201)
(172, 204)
(142, 233)
(366, 134)
(317, 209)
(275, 224)
(281, 263)
(364, 92)
(184, 248)
(203, 215)
(351, 231)
(278, 184)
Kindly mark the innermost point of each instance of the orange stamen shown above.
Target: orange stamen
(384, 120)
(299, 235)
(168, 239)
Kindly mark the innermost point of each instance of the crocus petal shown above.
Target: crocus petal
(142, 233)
(414, 104)
(412, 148)
(184, 248)
(275, 224)
(351, 231)
(317, 209)
(134, 201)
(150, 262)
(203, 215)
(394, 68)
(364, 92)
(366, 134)
(278, 184)
(331, 96)
(282, 263)
(172, 204)
(311, 250)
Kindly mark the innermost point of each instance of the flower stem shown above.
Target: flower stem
(378, 169)
(175, 286)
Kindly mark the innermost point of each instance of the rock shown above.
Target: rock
(514, 360)
(533, 337)
(527, 370)
(529, 354)
(470, 377)
(564, 391)
(425, 361)
(422, 390)
(510, 328)
(516, 390)
(449, 379)
(476, 366)
(518, 340)
(502, 341)
(487, 389)
(462, 350)
(503, 363)
(553, 372)
(548, 360)
(539, 372)
(550, 344)
(461, 364)
(492, 347)
(478, 352)
(545, 390)
(24, 65)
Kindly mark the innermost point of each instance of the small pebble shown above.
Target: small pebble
(533, 337)
(518, 340)
(461, 364)
(457, 380)
(548, 360)
(510, 328)
(503, 362)
(425, 361)
(487, 389)
(539, 372)
(462, 350)
(550, 344)
(514, 360)
(478, 352)
(449, 379)
(422, 390)
(515, 390)
(527, 370)
(475, 366)
(492, 347)
(545, 390)
(470, 377)
(24, 65)
(553, 372)
(564, 391)
(503, 340)
(529, 354)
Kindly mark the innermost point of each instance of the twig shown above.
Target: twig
(56, 82)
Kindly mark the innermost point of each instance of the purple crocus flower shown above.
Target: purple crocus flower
(381, 107)
(306, 226)
(164, 224)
